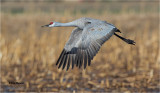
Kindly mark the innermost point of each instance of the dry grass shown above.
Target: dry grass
(29, 52)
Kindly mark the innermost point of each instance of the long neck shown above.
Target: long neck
(71, 24)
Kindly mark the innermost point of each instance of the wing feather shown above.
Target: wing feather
(85, 59)
(84, 44)
(65, 60)
(80, 58)
(73, 60)
(69, 61)
(89, 58)
(62, 58)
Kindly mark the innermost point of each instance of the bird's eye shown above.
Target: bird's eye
(51, 23)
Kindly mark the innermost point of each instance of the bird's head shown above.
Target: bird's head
(51, 24)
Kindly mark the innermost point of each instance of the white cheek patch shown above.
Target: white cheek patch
(52, 25)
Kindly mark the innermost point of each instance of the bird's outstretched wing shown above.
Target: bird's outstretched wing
(84, 44)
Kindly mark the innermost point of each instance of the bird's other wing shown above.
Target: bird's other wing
(84, 45)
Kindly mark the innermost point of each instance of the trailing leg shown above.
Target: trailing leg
(125, 40)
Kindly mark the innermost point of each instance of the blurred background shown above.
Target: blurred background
(28, 52)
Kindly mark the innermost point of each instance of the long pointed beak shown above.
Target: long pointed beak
(45, 25)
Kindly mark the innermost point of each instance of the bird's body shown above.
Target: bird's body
(85, 41)
(87, 32)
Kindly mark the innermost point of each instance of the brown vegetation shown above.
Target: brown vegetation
(29, 53)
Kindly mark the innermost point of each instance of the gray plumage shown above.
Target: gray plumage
(85, 41)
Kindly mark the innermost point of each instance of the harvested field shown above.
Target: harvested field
(29, 53)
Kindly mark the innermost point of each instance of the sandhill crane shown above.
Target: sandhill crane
(85, 41)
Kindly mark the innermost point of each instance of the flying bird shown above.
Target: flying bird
(85, 41)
